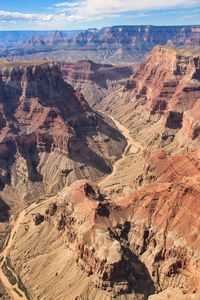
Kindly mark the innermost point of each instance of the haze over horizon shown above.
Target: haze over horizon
(74, 14)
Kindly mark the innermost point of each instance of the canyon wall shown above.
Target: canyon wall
(160, 101)
(95, 81)
(49, 135)
(109, 44)
(138, 236)
(128, 249)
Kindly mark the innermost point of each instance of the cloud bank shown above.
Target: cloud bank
(101, 8)
(88, 10)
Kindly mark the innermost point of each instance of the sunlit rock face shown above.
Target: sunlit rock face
(49, 135)
(106, 45)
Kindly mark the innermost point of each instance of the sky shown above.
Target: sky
(82, 14)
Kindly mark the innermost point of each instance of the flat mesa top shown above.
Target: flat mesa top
(191, 52)
(24, 63)
(181, 51)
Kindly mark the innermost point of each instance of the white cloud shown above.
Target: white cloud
(83, 10)
(67, 4)
(17, 16)
(6, 16)
(90, 9)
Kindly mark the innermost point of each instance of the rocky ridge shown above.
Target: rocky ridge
(161, 100)
(95, 81)
(49, 135)
(108, 45)
(99, 246)
(125, 250)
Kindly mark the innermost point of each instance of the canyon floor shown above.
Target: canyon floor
(121, 170)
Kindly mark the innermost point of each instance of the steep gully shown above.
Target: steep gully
(131, 148)
(14, 291)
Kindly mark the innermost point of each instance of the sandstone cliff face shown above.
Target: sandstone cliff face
(125, 250)
(49, 135)
(148, 36)
(161, 99)
(96, 231)
(168, 79)
(101, 241)
(165, 213)
(172, 293)
(3, 293)
(90, 71)
(95, 81)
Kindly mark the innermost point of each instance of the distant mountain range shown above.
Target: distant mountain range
(109, 44)
(11, 38)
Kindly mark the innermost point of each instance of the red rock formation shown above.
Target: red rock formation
(141, 36)
(145, 243)
(165, 89)
(149, 240)
(101, 245)
(168, 82)
(49, 135)
(95, 81)
(168, 79)
(161, 108)
(191, 120)
(164, 220)
(88, 70)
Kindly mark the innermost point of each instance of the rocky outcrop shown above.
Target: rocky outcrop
(88, 70)
(164, 217)
(51, 209)
(95, 245)
(191, 124)
(170, 85)
(38, 219)
(128, 249)
(96, 230)
(94, 80)
(143, 37)
(174, 294)
(161, 100)
(49, 135)
(168, 80)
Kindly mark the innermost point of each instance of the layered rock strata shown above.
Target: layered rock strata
(49, 135)
(161, 99)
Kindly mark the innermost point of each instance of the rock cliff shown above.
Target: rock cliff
(49, 135)
(106, 45)
(136, 238)
(128, 249)
(94, 80)
(161, 99)
(168, 80)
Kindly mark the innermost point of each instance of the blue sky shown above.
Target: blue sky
(81, 14)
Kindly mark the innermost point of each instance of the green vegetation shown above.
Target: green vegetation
(17, 292)
(9, 274)
(8, 263)
(8, 271)
(22, 287)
